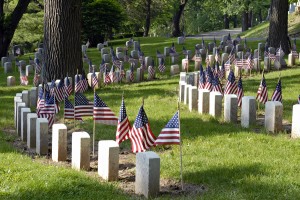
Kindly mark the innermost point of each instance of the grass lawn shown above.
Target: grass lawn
(231, 162)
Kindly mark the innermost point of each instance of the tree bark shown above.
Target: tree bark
(226, 21)
(260, 16)
(176, 20)
(245, 21)
(62, 39)
(234, 22)
(278, 30)
(9, 24)
(250, 18)
(148, 17)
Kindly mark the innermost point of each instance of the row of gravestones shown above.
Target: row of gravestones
(206, 102)
(35, 133)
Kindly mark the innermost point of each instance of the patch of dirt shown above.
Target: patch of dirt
(126, 177)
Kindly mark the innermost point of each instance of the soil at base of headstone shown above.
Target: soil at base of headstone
(126, 182)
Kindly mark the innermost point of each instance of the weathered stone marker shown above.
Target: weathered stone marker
(80, 150)
(108, 160)
(186, 94)
(295, 121)
(42, 136)
(16, 100)
(248, 113)
(147, 174)
(273, 116)
(182, 85)
(59, 142)
(203, 101)
(33, 96)
(19, 107)
(31, 130)
(215, 104)
(174, 69)
(291, 60)
(193, 98)
(24, 113)
(25, 97)
(230, 108)
(11, 81)
(7, 67)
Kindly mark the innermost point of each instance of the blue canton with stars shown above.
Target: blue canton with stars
(98, 102)
(123, 114)
(174, 122)
(141, 119)
(80, 99)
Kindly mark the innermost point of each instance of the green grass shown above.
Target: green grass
(262, 30)
(230, 161)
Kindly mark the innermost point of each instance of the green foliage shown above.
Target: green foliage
(100, 19)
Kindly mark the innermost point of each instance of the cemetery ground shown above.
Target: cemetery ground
(222, 159)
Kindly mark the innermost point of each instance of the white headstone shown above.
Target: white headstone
(295, 121)
(7, 67)
(29, 70)
(230, 108)
(182, 85)
(33, 96)
(59, 142)
(80, 150)
(19, 107)
(248, 111)
(180, 40)
(215, 104)
(147, 176)
(186, 94)
(203, 101)
(24, 113)
(166, 51)
(42, 136)
(174, 70)
(25, 97)
(193, 98)
(291, 60)
(11, 81)
(16, 100)
(273, 116)
(108, 160)
(31, 130)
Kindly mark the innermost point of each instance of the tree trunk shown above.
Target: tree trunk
(62, 39)
(245, 21)
(176, 20)
(148, 17)
(278, 30)
(9, 24)
(226, 21)
(250, 18)
(260, 16)
(234, 22)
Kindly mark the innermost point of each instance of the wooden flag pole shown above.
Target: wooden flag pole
(180, 146)
(75, 99)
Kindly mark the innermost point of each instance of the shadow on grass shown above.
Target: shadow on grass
(243, 181)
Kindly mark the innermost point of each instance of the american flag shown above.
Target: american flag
(107, 77)
(231, 86)
(123, 129)
(222, 71)
(172, 48)
(143, 65)
(78, 86)
(202, 80)
(262, 93)
(141, 135)
(53, 88)
(49, 109)
(161, 66)
(299, 99)
(126, 55)
(231, 56)
(83, 107)
(94, 80)
(102, 113)
(170, 134)
(68, 88)
(41, 101)
(60, 91)
(151, 71)
(216, 85)
(116, 62)
(112, 74)
(23, 78)
(38, 66)
(209, 79)
(173, 53)
(84, 82)
(240, 92)
(122, 72)
(69, 110)
(36, 79)
(250, 63)
(277, 95)
(131, 75)
(227, 65)
(102, 66)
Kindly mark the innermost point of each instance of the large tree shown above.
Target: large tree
(62, 38)
(176, 18)
(9, 23)
(278, 30)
